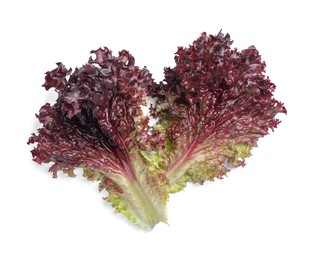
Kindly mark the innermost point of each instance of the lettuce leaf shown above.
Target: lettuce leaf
(97, 124)
(212, 108)
(210, 111)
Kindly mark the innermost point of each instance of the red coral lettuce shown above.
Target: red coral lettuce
(213, 107)
(97, 124)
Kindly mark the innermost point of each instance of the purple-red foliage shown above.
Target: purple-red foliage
(92, 123)
(215, 97)
(212, 108)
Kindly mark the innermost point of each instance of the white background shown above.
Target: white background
(262, 211)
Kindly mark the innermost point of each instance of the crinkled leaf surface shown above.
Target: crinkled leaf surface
(97, 124)
(213, 107)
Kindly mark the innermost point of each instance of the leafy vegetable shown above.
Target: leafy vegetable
(211, 109)
(97, 124)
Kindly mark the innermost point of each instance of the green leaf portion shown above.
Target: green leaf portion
(155, 161)
(141, 206)
(142, 200)
(205, 163)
